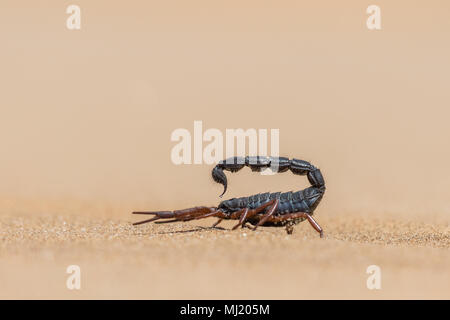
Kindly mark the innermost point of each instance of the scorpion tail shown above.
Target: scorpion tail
(220, 177)
(276, 164)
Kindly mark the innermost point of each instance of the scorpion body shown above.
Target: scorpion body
(266, 209)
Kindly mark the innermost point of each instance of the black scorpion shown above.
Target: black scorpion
(266, 209)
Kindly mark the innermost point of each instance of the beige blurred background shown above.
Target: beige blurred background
(86, 115)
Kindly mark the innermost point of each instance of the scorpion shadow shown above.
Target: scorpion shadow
(196, 229)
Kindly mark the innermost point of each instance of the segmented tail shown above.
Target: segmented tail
(259, 163)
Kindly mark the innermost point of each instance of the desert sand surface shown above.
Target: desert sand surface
(191, 260)
(87, 116)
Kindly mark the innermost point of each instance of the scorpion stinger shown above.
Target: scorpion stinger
(221, 178)
(266, 209)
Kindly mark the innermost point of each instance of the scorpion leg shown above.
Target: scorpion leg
(292, 216)
(271, 211)
(289, 227)
(217, 222)
(243, 214)
(250, 213)
(314, 224)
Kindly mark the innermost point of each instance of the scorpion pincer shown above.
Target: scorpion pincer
(266, 209)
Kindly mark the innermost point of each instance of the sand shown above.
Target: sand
(191, 260)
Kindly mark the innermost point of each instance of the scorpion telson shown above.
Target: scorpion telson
(266, 209)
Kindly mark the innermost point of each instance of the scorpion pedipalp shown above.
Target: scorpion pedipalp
(179, 215)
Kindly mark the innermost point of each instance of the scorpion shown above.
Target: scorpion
(265, 209)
